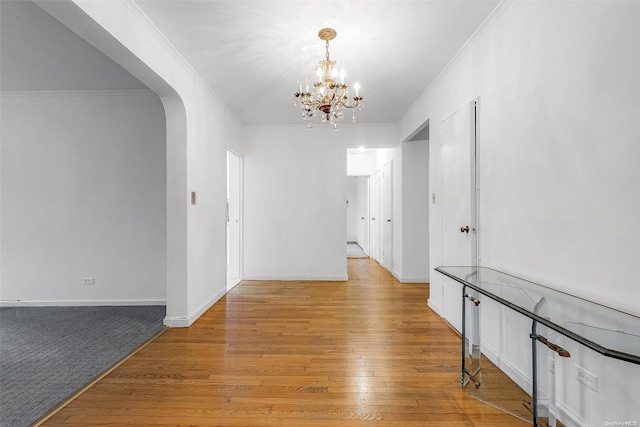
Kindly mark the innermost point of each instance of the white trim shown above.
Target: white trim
(418, 279)
(342, 125)
(76, 93)
(415, 279)
(417, 131)
(522, 380)
(186, 321)
(298, 278)
(568, 417)
(564, 414)
(475, 37)
(232, 284)
(177, 322)
(436, 308)
(76, 303)
(476, 190)
(146, 22)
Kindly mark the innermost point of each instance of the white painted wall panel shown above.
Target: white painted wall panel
(199, 127)
(362, 212)
(415, 218)
(83, 195)
(558, 149)
(295, 203)
(359, 164)
(352, 207)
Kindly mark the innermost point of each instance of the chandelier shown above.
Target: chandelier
(328, 98)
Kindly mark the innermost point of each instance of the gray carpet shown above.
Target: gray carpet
(49, 353)
(355, 251)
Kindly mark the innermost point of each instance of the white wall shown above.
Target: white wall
(199, 127)
(383, 156)
(362, 212)
(352, 220)
(294, 203)
(295, 198)
(83, 195)
(410, 204)
(410, 209)
(415, 211)
(359, 164)
(40, 54)
(397, 213)
(83, 170)
(558, 150)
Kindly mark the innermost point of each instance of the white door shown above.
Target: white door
(363, 214)
(375, 211)
(386, 216)
(458, 141)
(233, 219)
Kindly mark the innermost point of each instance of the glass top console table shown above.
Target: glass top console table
(607, 331)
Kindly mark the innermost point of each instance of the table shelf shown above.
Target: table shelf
(605, 330)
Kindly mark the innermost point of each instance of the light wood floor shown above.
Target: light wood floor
(368, 352)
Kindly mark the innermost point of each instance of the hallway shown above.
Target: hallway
(359, 353)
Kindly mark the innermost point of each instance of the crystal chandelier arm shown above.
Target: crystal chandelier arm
(328, 98)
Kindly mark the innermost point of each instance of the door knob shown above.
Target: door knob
(464, 229)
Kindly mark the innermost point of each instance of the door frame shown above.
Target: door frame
(239, 238)
(474, 175)
(452, 252)
(362, 215)
(386, 202)
(375, 212)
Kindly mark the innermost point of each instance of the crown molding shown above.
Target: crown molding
(76, 93)
(466, 47)
(148, 24)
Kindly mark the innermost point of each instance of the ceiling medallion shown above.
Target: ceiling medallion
(328, 98)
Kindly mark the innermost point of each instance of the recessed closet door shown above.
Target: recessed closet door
(233, 219)
(459, 231)
(386, 216)
(375, 182)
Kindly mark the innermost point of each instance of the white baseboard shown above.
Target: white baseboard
(419, 279)
(523, 381)
(563, 414)
(298, 278)
(231, 283)
(568, 418)
(186, 321)
(74, 303)
(435, 307)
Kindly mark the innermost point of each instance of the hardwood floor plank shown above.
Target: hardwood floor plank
(359, 353)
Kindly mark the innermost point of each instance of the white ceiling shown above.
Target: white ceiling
(38, 53)
(252, 53)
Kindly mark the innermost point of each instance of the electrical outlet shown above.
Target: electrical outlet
(88, 281)
(552, 365)
(587, 378)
